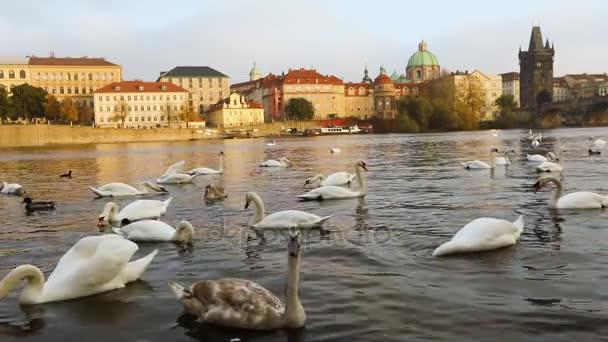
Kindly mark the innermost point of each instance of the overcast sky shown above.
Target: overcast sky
(336, 37)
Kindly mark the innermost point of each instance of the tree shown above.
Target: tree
(69, 113)
(28, 101)
(468, 104)
(506, 117)
(121, 113)
(299, 108)
(170, 113)
(85, 114)
(52, 108)
(542, 98)
(5, 109)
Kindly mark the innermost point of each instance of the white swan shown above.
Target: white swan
(575, 200)
(283, 162)
(336, 178)
(335, 150)
(243, 304)
(93, 265)
(482, 234)
(209, 171)
(175, 168)
(478, 164)
(134, 211)
(338, 192)
(274, 142)
(550, 166)
(11, 189)
(535, 143)
(214, 192)
(281, 219)
(598, 142)
(540, 158)
(122, 189)
(176, 178)
(153, 230)
(494, 133)
(505, 161)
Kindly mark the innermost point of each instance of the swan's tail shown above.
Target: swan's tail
(97, 192)
(177, 289)
(519, 224)
(445, 249)
(323, 219)
(136, 268)
(167, 202)
(118, 231)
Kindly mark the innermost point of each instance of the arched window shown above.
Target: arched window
(38, 77)
(1, 74)
(69, 76)
(82, 76)
(90, 77)
(111, 75)
(351, 91)
(418, 74)
(75, 76)
(84, 90)
(22, 74)
(11, 74)
(361, 91)
(60, 76)
(52, 76)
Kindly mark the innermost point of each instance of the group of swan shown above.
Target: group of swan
(11, 189)
(327, 192)
(122, 189)
(134, 211)
(336, 178)
(175, 173)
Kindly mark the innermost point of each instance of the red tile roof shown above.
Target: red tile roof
(305, 76)
(133, 87)
(66, 61)
(252, 104)
(383, 79)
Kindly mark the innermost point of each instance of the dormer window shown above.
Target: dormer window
(163, 87)
(140, 88)
(117, 88)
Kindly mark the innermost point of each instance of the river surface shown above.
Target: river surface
(370, 277)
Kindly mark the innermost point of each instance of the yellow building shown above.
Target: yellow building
(137, 104)
(205, 85)
(359, 100)
(235, 111)
(14, 71)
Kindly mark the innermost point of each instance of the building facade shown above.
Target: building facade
(423, 65)
(585, 86)
(205, 85)
(561, 92)
(235, 111)
(536, 70)
(510, 85)
(137, 104)
(359, 100)
(14, 71)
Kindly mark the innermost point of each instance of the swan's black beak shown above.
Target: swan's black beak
(246, 205)
(537, 187)
(364, 166)
(163, 189)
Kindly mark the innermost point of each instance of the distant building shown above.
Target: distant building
(141, 105)
(561, 92)
(422, 65)
(384, 96)
(235, 111)
(254, 73)
(359, 100)
(584, 86)
(205, 85)
(510, 85)
(536, 70)
(14, 71)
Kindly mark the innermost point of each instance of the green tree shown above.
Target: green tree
(52, 108)
(506, 118)
(85, 114)
(69, 113)
(5, 109)
(299, 108)
(28, 101)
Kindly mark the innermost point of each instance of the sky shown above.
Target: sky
(335, 37)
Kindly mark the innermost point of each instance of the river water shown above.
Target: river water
(370, 277)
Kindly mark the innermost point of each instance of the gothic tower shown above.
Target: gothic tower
(536, 71)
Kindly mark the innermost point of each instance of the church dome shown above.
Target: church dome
(383, 79)
(422, 57)
(254, 71)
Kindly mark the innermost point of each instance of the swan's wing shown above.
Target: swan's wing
(339, 178)
(328, 192)
(289, 219)
(175, 168)
(143, 209)
(483, 230)
(116, 189)
(202, 171)
(148, 230)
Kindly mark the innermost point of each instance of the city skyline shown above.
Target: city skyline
(336, 38)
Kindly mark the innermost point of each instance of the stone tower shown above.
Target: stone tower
(535, 71)
(366, 78)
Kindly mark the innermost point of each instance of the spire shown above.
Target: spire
(552, 46)
(366, 78)
(422, 46)
(536, 39)
(547, 44)
(382, 69)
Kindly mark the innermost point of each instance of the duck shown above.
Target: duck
(574, 200)
(11, 189)
(283, 219)
(243, 304)
(335, 150)
(482, 234)
(505, 161)
(283, 162)
(214, 192)
(174, 168)
(540, 158)
(337, 192)
(592, 152)
(95, 264)
(177, 178)
(598, 142)
(336, 178)
(134, 211)
(550, 166)
(208, 171)
(274, 142)
(66, 175)
(122, 189)
(535, 143)
(31, 205)
(478, 164)
(155, 231)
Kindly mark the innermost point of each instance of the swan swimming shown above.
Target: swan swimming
(540, 158)
(243, 304)
(153, 230)
(174, 168)
(208, 171)
(574, 200)
(338, 192)
(550, 166)
(134, 211)
(95, 264)
(478, 164)
(283, 162)
(11, 189)
(505, 161)
(214, 192)
(535, 143)
(176, 178)
(281, 219)
(274, 142)
(335, 150)
(482, 234)
(336, 178)
(598, 142)
(122, 189)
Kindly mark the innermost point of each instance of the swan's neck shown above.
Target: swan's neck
(362, 184)
(221, 164)
(112, 212)
(146, 186)
(493, 159)
(33, 291)
(259, 209)
(507, 160)
(558, 191)
(294, 315)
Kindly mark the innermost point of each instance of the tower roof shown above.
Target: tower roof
(536, 39)
(422, 57)
(254, 71)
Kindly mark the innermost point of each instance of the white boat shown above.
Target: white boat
(341, 130)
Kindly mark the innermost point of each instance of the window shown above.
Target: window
(162, 117)
(2, 74)
(155, 118)
(210, 83)
(46, 76)
(69, 90)
(90, 77)
(148, 109)
(161, 108)
(111, 75)
(68, 76)
(130, 119)
(129, 108)
(136, 118)
(60, 76)
(75, 77)
(141, 97)
(96, 76)
(149, 118)
(122, 98)
(154, 108)
(418, 74)
(22, 74)
(181, 107)
(11, 74)
(108, 108)
(148, 98)
(107, 98)
(90, 90)
(61, 90)
(221, 94)
(100, 108)
(129, 98)
(103, 77)
(100, 98)
(175, 97)
(154, 98)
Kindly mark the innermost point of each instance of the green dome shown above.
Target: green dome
(254, 70)
(422, 57)
(394, 75)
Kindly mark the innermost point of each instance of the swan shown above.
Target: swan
(338, 192)
(597, 142)
(575, 200)
(208, 171)
(337, 178)
(335, 150)
(38, 205)
(494, 133)
(505, 160)
(134, 211)
(122, 189)
(550, 166)
(214, 192)
(281, 219)
(540, 158)
(243, 304)
(535, 143)
(153, 230)
(95, 264)
(283, 162)
(11, 189)
(176, 178)
(174, 168)
(478, 164)
(274, 142)
(482, 234)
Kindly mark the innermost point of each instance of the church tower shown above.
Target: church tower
(366, 78)
(535, 71)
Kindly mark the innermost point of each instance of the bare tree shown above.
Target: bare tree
(121, 112)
